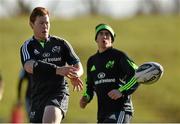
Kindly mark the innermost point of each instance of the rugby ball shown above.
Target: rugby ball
(149, 73)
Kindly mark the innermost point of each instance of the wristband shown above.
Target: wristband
(43, 69)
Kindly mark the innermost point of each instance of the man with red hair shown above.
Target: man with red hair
(48, 60)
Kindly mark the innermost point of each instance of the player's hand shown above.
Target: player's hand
(83, 102)
(115, 94)
(28, 66)
(68, 71)
(77, 84)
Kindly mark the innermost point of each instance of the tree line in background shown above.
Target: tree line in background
(93, 6)
(156, 7)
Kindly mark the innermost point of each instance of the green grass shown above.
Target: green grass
(144, 38)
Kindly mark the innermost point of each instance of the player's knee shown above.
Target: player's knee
(52, 114)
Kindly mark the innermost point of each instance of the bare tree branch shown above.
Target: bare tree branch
(24, 9)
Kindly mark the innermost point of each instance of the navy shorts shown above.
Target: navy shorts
(60, 101)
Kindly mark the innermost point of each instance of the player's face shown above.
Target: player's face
(104, 40)
(41, 27)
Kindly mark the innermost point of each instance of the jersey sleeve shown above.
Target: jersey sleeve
(71, 56)
(128, 70)
(89, 89)
(26, 52)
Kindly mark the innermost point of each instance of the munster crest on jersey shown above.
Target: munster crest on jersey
(56, 49)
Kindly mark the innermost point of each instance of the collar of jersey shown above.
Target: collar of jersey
(48, 39)
(102, 53)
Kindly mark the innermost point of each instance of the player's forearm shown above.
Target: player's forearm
(40, 68)
(79, 69)
(88, 93)
(129, 90)
(28, 66)
(43, 68)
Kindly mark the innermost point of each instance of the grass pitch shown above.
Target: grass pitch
(143, 38)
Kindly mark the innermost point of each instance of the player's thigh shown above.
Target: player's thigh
(52, 114)
(60, 101)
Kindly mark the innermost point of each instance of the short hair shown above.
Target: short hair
(38, 11)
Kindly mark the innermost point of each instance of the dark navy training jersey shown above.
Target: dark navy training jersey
(110, 70)
(56, 51)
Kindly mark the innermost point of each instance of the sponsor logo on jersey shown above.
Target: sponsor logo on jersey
(102, 81)
(101, 75)
(56, 49)
(113, 116)
(93, 68)
(36, 52)
(45, 55)
(52, 59)
(32, 114)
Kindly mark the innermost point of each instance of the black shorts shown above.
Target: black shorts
(60, 101)
(116, 117)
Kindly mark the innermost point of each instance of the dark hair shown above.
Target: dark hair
(38, 11)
